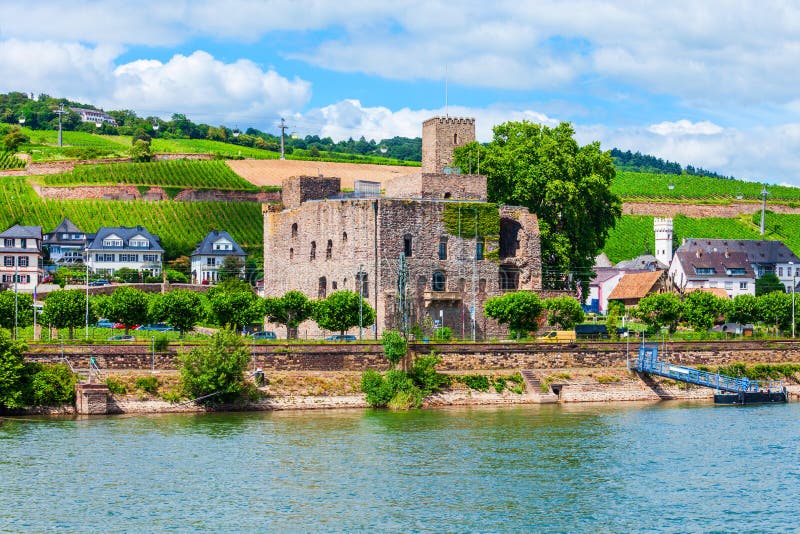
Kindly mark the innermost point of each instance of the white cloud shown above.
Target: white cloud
(685, 127)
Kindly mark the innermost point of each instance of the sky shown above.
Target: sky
(712, 84)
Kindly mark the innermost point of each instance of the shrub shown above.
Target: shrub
(425, 376)
(172, 396)
(53, 385)
(607, 379)
(443, 334)
(216, 369)
(115, 387)
(394, 346)
(516, 378)
(148, 384)
(499, 384)
(161, 343)
(476, 382)
(375, 387)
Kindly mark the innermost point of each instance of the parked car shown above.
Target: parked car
(122, 338)
(158, 327)
(266, 334)
(340, 337)
(99, 283)
(105, 323)
(120, 326)
(48, 279)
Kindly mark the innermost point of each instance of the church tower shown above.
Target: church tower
(440, 135)
(663, 230)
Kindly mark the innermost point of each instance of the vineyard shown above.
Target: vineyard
(645, 186)
(186, 173)
(10, 161)
(634, 233)
(180, 225)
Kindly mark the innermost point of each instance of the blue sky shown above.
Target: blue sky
(712, 84)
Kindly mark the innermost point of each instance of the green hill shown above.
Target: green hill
(647, 186)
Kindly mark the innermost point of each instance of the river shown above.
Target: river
(669, 466)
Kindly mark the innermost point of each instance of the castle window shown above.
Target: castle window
(479, 246)
(407, 249)
(344, 237)
(447, 195)
(313, 254)
(323, 287)
(455, 138)
(291, 253)
(294, 230)
(329, 250)
(439, 281)
(442, 248)
(362, 284)
(509, 278)
(333, 286)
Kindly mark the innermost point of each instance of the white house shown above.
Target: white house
(95, 115)
(21, 252)
(601, 287)
(66, 243)
(210, 255)
(116, 247)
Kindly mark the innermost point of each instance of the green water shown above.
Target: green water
(673, 467)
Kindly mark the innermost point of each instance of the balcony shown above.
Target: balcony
(440, 296)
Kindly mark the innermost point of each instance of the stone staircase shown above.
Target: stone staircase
(534, 387)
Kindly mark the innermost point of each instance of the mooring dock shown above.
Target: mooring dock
(733, 390)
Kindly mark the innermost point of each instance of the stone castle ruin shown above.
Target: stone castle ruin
(428, 250)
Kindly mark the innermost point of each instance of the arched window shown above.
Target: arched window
(439, 281)
(323, 287)
(313, 254)
(442, 248)
(294, 230)
(291, 253)
(329, 250)
(407, 248)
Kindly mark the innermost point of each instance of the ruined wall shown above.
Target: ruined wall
(439, 136)
(437, 186)
(298, 189)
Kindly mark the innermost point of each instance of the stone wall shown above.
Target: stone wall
(171, 157)
(440, 135)
(126, 192)
(701, 211)
(437, 186)
(299, 189)
(131, 192)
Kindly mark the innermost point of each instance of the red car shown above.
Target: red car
(120, 326)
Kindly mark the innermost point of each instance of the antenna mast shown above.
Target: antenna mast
(60, 111)
(283, 132)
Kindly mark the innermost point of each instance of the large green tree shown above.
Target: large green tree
(12, 370)
(128, 306)
(567, 186)
(564, 312)
(234, 304)
(659, 309)
(744, 309)
(180, 309)
(520, 310)
(215, 369)
(66, 308)
(289, 310)
(24, 309)
(340, 311)
(768, 283)
(700, 309)
(775, 308)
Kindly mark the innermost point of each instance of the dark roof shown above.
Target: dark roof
(66, 227)
(206, 246)
(604, 275)
(757, 250)
(19, 231)
(718, 260)
(644, 262)
(126, 234)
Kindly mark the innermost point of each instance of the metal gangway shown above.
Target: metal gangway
(647, 362)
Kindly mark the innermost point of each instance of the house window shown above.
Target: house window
(728, 285)
(439, 281)
(211, 262)
(8, 261)
(104, 257)
(479, 245)
(362, 284)
(112, 242)
(509, 278)
(139, 243)
(742, 285)
(150, 257)
(294, 230)
(22, 261)
(705, 270)
(407, 245)
(23, 243)
(323, 287)
(8, 242)
(329, 250)
(780, 272)
(313, 254)
(735, 271)
(129, 258)
(442, 248)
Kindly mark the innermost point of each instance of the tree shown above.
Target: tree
(775, 309)
(768, 283)
(14, 139)
(700, 309)
(565, 312)
(12, 370)
(24, 308)
(744, 309)
(659, 309)
(289, 310)
(128, 275)
(140, 151)
(568, 187)
(395, 346)
(234, 304)
(180, 309)
(66, 308)
(215, 369)
(340, 311)
(127, 306)
(232, 267)
(520, 310)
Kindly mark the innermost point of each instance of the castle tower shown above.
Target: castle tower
(440, 135)
(663, 230)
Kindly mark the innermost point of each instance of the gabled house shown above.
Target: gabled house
(634, 286)
(210, 254)
(94, 115)
(66, 244)
(116, 247)
(22, 263)
(712, 263)
(600, 288)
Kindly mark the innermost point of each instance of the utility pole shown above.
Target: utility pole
(283, 132)
(60, 111)
(764, 194)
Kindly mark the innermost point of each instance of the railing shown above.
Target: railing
(648, 362)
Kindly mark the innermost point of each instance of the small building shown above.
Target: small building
(66, 244)
(635, 286)
(114, 248)
(210, 255)
(95, 115)
(710, 267)
(600, 288)
(22, 264)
